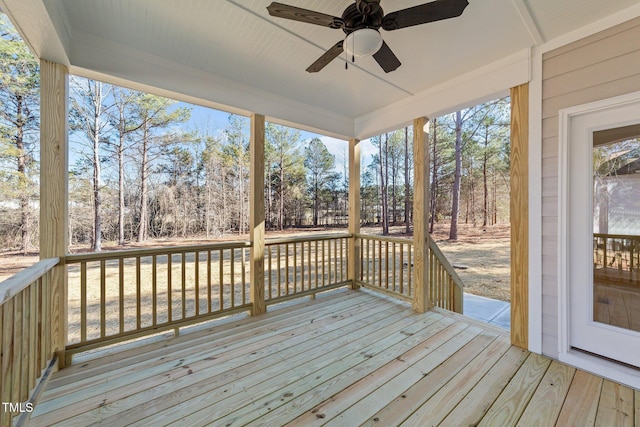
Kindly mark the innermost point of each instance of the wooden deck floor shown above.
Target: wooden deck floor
(348, 358)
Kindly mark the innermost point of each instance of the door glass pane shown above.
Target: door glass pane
(616, 227)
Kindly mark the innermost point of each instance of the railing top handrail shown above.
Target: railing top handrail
(166, 250)
(307, 238)
(21, 280)
(617, 236)
(402, 240)
(445, 263)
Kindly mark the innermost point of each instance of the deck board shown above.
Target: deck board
(346, 358)
(581, 404)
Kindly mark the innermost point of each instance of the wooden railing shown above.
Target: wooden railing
(305, 265)
(25, 337)
(616, 258)
(446, 290)
(120, 295)
(386, 264)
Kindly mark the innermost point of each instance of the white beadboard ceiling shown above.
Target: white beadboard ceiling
(231, 54)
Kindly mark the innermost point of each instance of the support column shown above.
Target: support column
(421, 301)
(54, 166)
(354, 212)
(519, 215)
(256, 216)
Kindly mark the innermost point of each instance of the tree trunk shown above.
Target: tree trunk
(142, 233)
(281, 210)
(22, 176)
(485, 205)
(97, 201)
(455, 206)
(434, 178)
(383, 188)
(121, 186)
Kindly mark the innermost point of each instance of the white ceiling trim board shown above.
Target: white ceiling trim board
(481, 85)
(33, 18)
(531, 25)
(144, 71)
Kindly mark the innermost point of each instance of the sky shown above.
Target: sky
(218, 120)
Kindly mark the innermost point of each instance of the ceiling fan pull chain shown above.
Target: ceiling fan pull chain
(353, 55)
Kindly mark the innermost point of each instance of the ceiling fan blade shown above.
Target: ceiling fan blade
(386, 58)
(424, 13)
(285, 11)
(327, 57)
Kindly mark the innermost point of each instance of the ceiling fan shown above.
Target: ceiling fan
(361, 22)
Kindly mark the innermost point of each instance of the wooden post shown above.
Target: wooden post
(519, 207)
(354, 212)
(256, 216)
(421, 301)
(54, 166)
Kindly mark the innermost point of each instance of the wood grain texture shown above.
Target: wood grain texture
(544, 407)
(513, 400)
(54, 166)
(354, 212)
(256, 215)
(421, 301)
(616, 406)
(519, 181)
(345, 358)
(581, 404)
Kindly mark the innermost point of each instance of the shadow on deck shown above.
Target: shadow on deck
(347, 358)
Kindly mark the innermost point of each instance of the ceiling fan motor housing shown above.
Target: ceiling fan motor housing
(362, 14)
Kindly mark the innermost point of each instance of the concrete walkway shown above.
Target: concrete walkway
(488, 310)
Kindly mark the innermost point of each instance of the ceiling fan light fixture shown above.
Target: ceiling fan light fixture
(363, 42)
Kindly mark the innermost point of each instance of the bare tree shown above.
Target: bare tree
(87, 118)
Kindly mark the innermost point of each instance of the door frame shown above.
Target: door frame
(598, 365)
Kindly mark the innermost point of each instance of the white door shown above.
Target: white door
(603, 225)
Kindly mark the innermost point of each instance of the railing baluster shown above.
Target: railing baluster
(209, 284)
(329, 269)
(196, 271)
(103, 298)
(295, 267)
(278, 272)
(402, 268)
(286, 268)
(169, 288)
(83, 301)
(138, 294)
(386, 264)
(309, 263)
(183, 281)
(221, 278)
(33, 332)
(324, 262)
(154, 289)
(270, 277)
(16, 395)
(316, 264)
(233, 277)
(244, 276)
(121, 295)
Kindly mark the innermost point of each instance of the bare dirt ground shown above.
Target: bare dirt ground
(484, 251)
(487, 256)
